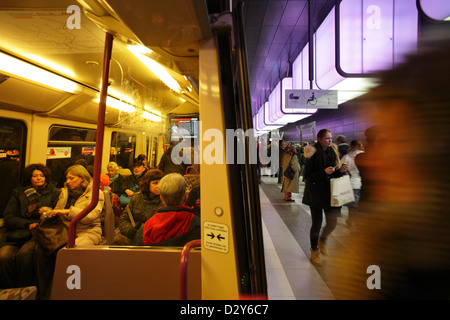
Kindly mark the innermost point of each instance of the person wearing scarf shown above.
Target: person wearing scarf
(321, 166)
(75, 196)
(117, 182)
(21, 215)
(175, 224)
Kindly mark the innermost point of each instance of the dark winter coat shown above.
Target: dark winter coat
(142, 208)
(15, 213)
(317, 182)
(118, 185)
(167, 166)
(133, 182)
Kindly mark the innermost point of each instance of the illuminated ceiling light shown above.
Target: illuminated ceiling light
(151, 116)
(351, 88)
(120, 96)
(50, 64)
(154, 67)
(117, 104)
(152, 111)
(13, 66)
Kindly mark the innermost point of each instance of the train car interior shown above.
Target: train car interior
(131, 74)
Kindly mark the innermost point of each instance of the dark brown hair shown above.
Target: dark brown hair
(322, 133)
(28, 173)
(150, 175)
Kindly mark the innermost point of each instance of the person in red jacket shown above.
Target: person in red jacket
(174, 224)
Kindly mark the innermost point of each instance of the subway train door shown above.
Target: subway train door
(232, 250)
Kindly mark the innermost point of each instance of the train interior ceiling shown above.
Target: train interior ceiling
(37, 32)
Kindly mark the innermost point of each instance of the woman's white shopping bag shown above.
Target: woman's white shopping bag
(341, 191)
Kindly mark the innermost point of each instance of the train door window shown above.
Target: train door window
(13, 138)
(68, 146)
(123, 146)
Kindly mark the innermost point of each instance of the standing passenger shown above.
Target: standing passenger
(281, 148)
(356, 147)
(320, 167)
(167, 164)
(290, 186)
(342, 145)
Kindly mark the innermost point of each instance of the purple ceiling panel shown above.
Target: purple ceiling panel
(292, 12)
(283, 34)
(267, 34)
(255, 12)
(274, 12)
(252, 34)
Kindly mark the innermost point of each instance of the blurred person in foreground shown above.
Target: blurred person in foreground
(405, 219)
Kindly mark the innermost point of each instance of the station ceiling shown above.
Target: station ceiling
(276, 31)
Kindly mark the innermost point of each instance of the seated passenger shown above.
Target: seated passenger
(75, 196)
(117, 184)
(142, 206)
(132, 183)
(21, 215)
(193, 200)
(174, 224)
(143, 158)
(116, 181)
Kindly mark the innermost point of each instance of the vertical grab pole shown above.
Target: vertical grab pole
(98, 142)
(310, 45)
(183, 266)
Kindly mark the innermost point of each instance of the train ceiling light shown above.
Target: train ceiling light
(140, 52)
(18, 68)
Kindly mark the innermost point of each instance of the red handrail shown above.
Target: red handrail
(98, 142)
(184, 264)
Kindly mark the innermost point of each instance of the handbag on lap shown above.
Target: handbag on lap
(51, 234)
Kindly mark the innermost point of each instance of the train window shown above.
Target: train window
(123, 146)
(13, 137)
(68, 146)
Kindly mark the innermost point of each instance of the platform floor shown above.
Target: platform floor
(286, 225)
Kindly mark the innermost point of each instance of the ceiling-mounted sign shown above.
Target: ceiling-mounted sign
(318, 99)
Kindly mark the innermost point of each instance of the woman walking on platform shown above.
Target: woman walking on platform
(321, 166)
